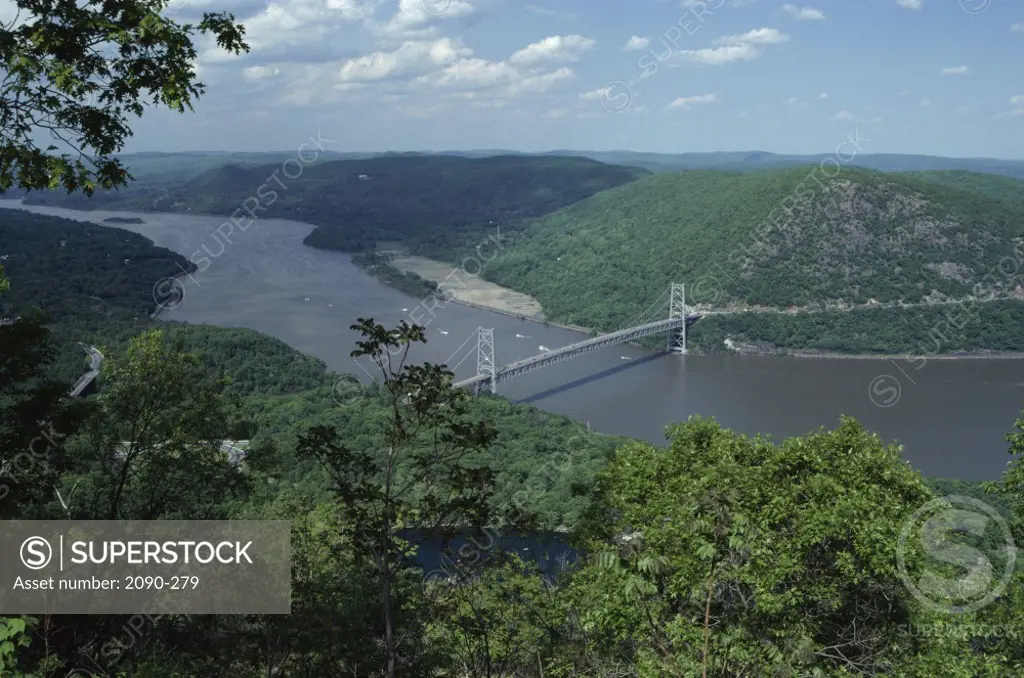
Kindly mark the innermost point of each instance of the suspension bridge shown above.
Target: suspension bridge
(488, 376)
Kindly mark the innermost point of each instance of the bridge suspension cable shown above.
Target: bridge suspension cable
(651, 312)
(468, 353)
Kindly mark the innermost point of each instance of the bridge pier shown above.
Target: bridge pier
(677, 310)
(485, 358)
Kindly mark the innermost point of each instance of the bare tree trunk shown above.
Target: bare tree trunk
(707, 616)
(389, 617)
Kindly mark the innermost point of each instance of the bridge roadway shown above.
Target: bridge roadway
(95, 360)
(536, 362)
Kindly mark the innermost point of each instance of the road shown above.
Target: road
(95, 361)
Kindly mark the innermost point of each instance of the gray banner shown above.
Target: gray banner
(145, 566)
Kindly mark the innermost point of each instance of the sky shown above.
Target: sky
(936, 77)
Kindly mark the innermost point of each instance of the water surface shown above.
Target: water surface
(951, 416)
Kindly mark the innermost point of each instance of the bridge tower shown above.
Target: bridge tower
(485, 357)
(677, 309)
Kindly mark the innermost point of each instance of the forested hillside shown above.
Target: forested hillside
(432, 204)
(94, 284)
(755, 161)
(782, 240)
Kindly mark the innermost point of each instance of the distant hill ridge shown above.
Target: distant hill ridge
(432, 203)
(190, 164)
(859, 238)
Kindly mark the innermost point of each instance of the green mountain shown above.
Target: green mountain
(96, 285)
(754, 161)
(431, 203)
(864, 251)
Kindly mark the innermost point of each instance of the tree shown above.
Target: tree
(35, 418)
(75, 71)
(427, 476)
(728, 556)
(508, 621)
(152, 449)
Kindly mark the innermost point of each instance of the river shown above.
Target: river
(951, 416)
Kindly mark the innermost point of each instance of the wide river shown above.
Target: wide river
(951, 415)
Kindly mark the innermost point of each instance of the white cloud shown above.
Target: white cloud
(518, 75)
(955, 70)
(411, 58)
(470, 74)
(596, 94)
(416, 18)
(553, 48)
(757, 36)
(911, 4)
(543, 11)
(926, 102)
(290, 27)
(416, 13)
(535, 84)
(686, 103)
(1019, 99)
(823, 95)
(729, 48)
(259, 72)
(804, 13)
(843, 115)
(637, 43)
(716, 56)
(1017, 28)
(477, 78)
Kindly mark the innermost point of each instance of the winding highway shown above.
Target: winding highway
(95, 361)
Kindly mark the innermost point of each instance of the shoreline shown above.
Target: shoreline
(532, 319)
(783, 353)
(888, 356)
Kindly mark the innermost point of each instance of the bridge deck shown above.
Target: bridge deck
(572, 350)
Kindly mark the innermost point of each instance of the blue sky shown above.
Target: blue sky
(913, 76)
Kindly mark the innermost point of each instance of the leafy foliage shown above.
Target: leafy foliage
(734, 557)
(76, 72)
